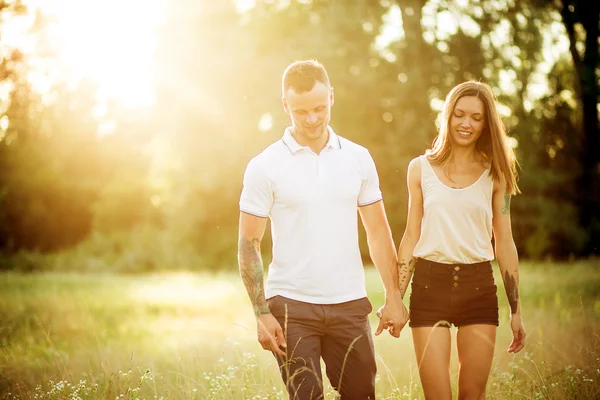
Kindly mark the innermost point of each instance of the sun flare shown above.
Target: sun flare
(110, 43)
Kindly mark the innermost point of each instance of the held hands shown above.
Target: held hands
(518, 331)
(270, 334)
(393, 315)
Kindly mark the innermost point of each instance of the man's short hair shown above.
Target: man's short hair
(302, 76)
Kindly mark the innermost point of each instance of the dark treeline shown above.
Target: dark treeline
(161, 191)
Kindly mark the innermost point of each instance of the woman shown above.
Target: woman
(459, 198)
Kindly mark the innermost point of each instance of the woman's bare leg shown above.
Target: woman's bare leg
(475, 345)
(432, 348)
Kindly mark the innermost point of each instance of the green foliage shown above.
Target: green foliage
(59, 180)
(172, 173)
(43, 205)
(546, 214)
(124, 196)
(139, 250)
(25, 261)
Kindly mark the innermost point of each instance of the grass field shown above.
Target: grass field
(192, 336)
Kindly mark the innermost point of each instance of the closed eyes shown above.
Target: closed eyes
(476, 117)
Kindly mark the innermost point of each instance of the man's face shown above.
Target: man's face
(310, 111)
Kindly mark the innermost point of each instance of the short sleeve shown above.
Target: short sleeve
(257, 196)
(369, 191)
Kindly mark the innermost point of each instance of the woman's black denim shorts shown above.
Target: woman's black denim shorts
(458, 294)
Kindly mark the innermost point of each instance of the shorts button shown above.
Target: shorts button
(455, 278)
(457, 268)
(455, 284)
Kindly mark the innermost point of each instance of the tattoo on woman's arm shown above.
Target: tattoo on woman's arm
(251, 269)
(512, 291)
(506, 206)
(405, 271)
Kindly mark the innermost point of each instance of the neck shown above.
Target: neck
(463, 155)
(315, 145)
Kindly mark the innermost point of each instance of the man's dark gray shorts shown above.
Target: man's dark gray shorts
(338, 333)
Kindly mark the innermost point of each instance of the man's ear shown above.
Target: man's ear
(331, 97)
(286, 108)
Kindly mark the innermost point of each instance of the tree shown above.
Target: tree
(586, 14)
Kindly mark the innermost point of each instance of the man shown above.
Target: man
(310, 184)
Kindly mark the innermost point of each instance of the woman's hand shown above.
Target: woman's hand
(518, 331)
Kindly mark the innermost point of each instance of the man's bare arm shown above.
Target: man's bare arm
(392, 315)
(252, 229)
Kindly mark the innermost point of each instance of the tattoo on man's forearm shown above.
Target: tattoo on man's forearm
(512, 291)
(405, 271)
(506, 206)
(251, 269)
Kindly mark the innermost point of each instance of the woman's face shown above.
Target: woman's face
(467, 121)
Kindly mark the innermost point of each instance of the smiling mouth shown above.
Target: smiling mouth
(464, 134)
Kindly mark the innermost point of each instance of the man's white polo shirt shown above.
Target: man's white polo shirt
(312, 203)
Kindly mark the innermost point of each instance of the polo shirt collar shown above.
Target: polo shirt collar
(289, 140)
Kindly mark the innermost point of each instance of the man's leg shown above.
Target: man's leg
(347, 349)
(302, 325)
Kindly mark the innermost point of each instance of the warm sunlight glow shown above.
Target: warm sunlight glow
(392, 30)
(244, 5)
(110, 43)
(184, 289)
(265, 123)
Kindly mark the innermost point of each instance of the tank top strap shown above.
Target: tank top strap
(429, 179)
(488, 183)
(426, 168)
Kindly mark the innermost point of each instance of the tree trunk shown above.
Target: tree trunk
(588, 14)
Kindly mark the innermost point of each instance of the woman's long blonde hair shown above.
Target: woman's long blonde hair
(492, 144)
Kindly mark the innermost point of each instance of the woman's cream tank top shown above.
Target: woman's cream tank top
(457, 223)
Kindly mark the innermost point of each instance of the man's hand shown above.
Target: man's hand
(393, 315)
(518, 331)
(270, 334)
